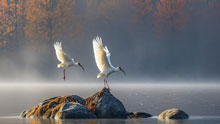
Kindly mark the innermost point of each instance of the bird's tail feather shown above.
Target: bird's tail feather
(100, 75)
(60, 65)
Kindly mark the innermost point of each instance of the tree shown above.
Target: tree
(11, 20)
(142, 7)
(142, 12)
(104, 11)
(169, 15)
(49, 20)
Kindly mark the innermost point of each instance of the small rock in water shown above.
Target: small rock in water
(139, 115)
(173, 114)
(23, 114)
(104, 105)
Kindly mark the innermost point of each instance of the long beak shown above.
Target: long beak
(81, 67)
(123, 71)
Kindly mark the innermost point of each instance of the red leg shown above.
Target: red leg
(107, 84)
(64, 75)
(104, 83)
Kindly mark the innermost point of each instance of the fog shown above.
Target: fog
(181, 43)
(200, 100)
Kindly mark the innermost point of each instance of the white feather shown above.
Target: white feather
(101, 53)
(61, 55)
(108, 55)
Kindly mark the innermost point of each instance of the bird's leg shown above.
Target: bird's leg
(64, 75)
(107, 84)
(104, 83)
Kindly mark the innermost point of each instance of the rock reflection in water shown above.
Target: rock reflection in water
(74, 121)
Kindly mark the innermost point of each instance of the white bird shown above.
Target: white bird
(66, 60)
(102, 58)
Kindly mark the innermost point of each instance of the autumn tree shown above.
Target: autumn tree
(104, 11)
(169, 15)
(141, 13)
(11, 22)
(142, 7)
(50, 20)
(3, 25)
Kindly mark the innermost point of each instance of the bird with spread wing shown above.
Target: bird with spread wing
(102, 58)
(66, 60)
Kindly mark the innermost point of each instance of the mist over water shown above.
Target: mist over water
(200, 101)
(149, 97)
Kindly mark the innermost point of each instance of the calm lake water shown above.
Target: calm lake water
(200, 101)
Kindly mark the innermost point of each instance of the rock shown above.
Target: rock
(173, 114)
(74, 111)
(50, 107)
(70, 98)
(139, 115)
(104, 105)
(100, 105)
(23, 114)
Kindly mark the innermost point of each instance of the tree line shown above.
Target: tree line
(42, 20)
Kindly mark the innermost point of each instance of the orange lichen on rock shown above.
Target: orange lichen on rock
(91, 106)
(100, 105)
(49, 107)
(31, 111)
(90, 101)
(52, 112)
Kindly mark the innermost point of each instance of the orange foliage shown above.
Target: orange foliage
(169, 15)
(10, 16)
(142, 7)
(48, 20)
(142, 12)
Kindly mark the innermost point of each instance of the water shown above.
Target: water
(200, 101)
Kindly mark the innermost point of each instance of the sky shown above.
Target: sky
(150, 40)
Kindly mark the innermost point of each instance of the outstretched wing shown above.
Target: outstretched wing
(61, 55)
(108, 55)
(100, 54)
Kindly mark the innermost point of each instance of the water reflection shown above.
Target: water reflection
(170, 121)
(153, 120)
(74, 121)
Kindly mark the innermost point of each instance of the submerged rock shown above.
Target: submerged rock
(104, 105)
(173, 114)
(139, 115)
(49, 108)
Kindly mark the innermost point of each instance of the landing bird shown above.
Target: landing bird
(66, 60)
(102, 58)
